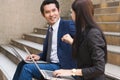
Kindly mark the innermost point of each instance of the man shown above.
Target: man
(60, 54)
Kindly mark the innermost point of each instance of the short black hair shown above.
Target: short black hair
(46, 2)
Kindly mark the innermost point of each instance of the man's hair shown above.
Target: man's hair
(46, 2)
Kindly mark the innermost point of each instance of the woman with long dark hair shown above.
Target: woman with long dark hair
(89, 44)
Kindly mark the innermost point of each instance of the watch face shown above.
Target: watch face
(73, 72)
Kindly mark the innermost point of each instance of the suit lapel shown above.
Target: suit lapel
(60, 29)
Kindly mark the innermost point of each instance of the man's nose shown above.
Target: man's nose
(51, 14)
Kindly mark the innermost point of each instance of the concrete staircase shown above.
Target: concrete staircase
(8, 59)
(107, 16)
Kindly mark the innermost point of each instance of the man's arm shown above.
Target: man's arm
(72, 29)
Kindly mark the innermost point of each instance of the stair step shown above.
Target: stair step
(113, 33)
(7, 50)
(114, 54)
(113, 38)
(112, 48)
(42, 31)
(37, 38)
(2, 76)
(107, 10)
(112, 17)
(34, 48)
(37, 35)
(112, 71)
(7, 67)
(108, 4)
(110, 26)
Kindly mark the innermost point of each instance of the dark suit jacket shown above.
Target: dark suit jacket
(63, 49)
(91, 55)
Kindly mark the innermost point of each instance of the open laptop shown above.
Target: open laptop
(21, 58)
(47, 74)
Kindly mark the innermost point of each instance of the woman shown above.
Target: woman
(89, 44)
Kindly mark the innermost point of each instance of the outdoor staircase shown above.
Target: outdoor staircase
(8, 60)
(107, 16)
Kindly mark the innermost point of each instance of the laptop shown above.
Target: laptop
(47, 74)
(21, 58)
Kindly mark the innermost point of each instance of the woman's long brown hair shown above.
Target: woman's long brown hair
(84, 12)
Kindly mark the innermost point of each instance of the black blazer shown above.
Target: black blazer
(91, 55)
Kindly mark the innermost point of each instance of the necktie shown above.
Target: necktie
(50, 33)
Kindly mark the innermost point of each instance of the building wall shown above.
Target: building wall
(18, 17)
(21, 16)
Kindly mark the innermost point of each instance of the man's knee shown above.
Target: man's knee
(28, 68)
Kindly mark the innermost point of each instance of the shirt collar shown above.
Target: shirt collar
(56, 25)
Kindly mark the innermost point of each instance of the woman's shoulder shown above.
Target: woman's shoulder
(94, 32)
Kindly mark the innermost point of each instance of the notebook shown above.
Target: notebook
(21, 58)
(47, 74)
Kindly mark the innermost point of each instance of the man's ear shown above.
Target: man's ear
(42, 14)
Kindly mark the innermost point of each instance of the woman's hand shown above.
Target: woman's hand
(34, 56)
(67, 38)
(62, 72)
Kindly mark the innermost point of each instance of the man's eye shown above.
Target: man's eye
(47, 12)
(53, 10)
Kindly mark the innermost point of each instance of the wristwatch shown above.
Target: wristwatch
(74, 71)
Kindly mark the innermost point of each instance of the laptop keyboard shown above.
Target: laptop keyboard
(48, 74)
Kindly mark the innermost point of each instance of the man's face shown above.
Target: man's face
(51, 13)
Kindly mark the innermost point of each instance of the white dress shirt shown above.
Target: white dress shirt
(53, 55)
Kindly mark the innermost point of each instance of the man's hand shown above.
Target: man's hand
(34, 56)
(67, 38)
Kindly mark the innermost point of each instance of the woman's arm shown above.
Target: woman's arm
(67, 72)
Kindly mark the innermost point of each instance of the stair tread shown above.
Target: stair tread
(9, 49)
(30, 44)
(40, 29)
(113, 48)
(112, 33)
(107, 14)
(108, 22)
(106, 7)
(112, 70)
(107, 4)
(8, 67)
(37, 35)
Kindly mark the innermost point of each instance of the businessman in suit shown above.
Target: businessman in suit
(60, 55)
